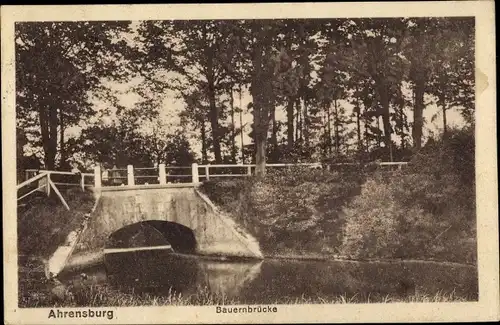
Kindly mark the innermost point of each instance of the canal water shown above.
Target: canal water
(274, 280)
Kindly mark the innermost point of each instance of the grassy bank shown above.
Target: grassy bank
(100, 296)
(43, 224)
(425, 211)
(292, 211)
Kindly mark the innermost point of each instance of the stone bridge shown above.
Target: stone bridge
(155, 215)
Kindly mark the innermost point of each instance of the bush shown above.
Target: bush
(425, 211)
(224, 191)
(290, 211)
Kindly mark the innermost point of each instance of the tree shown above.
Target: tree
(56, 68)
(441, 52)
(334, 80)
(378, 44)
(198, 52)
(452, 81)
(178, 151)
(262, 88)
(195, 113)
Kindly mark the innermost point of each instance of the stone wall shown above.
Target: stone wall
(216, 233)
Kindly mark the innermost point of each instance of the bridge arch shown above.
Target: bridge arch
(180, 216)
(150, 233)
(147, 267)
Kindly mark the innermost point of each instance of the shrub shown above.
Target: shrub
(425, 211)
(292, 210)
(224, 191)
(378, 225)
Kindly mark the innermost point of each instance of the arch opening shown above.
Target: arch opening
(151, 270)
(153, 233)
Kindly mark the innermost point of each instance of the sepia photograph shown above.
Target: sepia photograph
(246, 163)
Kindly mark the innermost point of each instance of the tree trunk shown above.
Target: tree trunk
(297, 126)
(260, 158)
(367, 138)
(402, 116)
(44, 130)
(214, 123)
(306, 123)
(53, 123)
(274, 135)
(260, 94)
(62, 163)
(379, 138)
(336, 128)
(48, 127)
(260, 137)
(418, 117)
(214, 110)
(203, 134)
(299, 120)
(241, 131)
(384, 100)
(289, 130)
(233, 135)
(329, 125)
(387, 134)
(358, 126)
(442, 101)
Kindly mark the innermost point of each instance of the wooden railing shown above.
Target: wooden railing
(82, 177)
(46, 183)
(155, 175)
(173, 174)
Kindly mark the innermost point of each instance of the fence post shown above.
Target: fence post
(207, 172)
(97, 176)
(130, 175)
(194, 173)
(48, 184)
(249, 170)
(82, 181)
(163, 174)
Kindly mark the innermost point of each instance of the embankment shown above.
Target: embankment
(43, 224)
(425, 211)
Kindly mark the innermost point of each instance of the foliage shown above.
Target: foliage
(308, 70)
(55, 71)
(294, 210)
(122, 143)
(425, 210)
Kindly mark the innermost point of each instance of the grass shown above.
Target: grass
(58, 295)
(43, 223)
(98, 296)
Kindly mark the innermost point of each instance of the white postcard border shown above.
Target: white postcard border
(487, 308)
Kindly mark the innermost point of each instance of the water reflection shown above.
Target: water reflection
(271, 281)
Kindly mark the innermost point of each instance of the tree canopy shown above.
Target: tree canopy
(315, 89)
